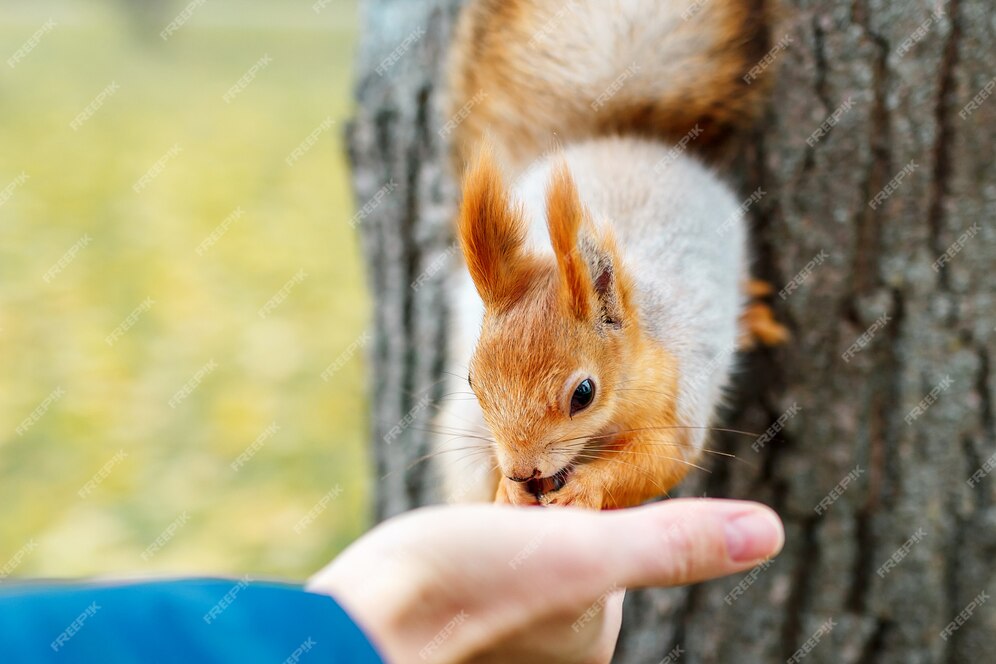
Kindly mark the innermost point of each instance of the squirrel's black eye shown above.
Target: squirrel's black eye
(583, 395)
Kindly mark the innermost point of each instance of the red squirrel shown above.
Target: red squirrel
(604, 292)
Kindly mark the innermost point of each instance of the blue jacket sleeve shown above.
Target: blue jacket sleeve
(188, 620)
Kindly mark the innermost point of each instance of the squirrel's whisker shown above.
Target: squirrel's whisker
(658, 428)
(455, 433)
(645, 473)
(471, 451)
(687, 463)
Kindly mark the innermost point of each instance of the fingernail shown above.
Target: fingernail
(753, 535)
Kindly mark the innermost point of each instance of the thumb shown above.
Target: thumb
(677, 542)
(670, 543)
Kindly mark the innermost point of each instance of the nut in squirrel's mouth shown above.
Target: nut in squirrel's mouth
(543, 485)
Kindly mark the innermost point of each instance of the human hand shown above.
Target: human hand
(491, 583)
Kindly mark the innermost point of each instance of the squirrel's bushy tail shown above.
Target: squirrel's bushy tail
(535, 74)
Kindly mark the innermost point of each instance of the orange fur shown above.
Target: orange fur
(500, 46)
(758, 322)
(532, 344)
(760, 326)
(491, 234)
(564, 217)
(635, 377)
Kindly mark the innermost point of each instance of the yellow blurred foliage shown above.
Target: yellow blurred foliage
(111, 301)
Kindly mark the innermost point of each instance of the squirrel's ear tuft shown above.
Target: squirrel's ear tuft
(586, 257)
(565, 214)
(491, 233)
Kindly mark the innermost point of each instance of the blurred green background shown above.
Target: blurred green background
(163, 495)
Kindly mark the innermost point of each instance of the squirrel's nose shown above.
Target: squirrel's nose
(536, 473)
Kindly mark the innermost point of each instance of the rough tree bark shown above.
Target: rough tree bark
(897, 77)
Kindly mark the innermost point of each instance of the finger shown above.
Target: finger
(610, 626)
(672, 543)
(686, 541)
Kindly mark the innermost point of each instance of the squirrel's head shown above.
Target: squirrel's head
(548, 366)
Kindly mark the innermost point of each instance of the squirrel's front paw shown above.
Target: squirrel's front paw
(513, 493)
(583, 488)
(574, 496)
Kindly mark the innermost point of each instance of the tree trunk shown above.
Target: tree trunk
(878, 416)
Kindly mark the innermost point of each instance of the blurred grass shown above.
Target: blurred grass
(143, 245)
